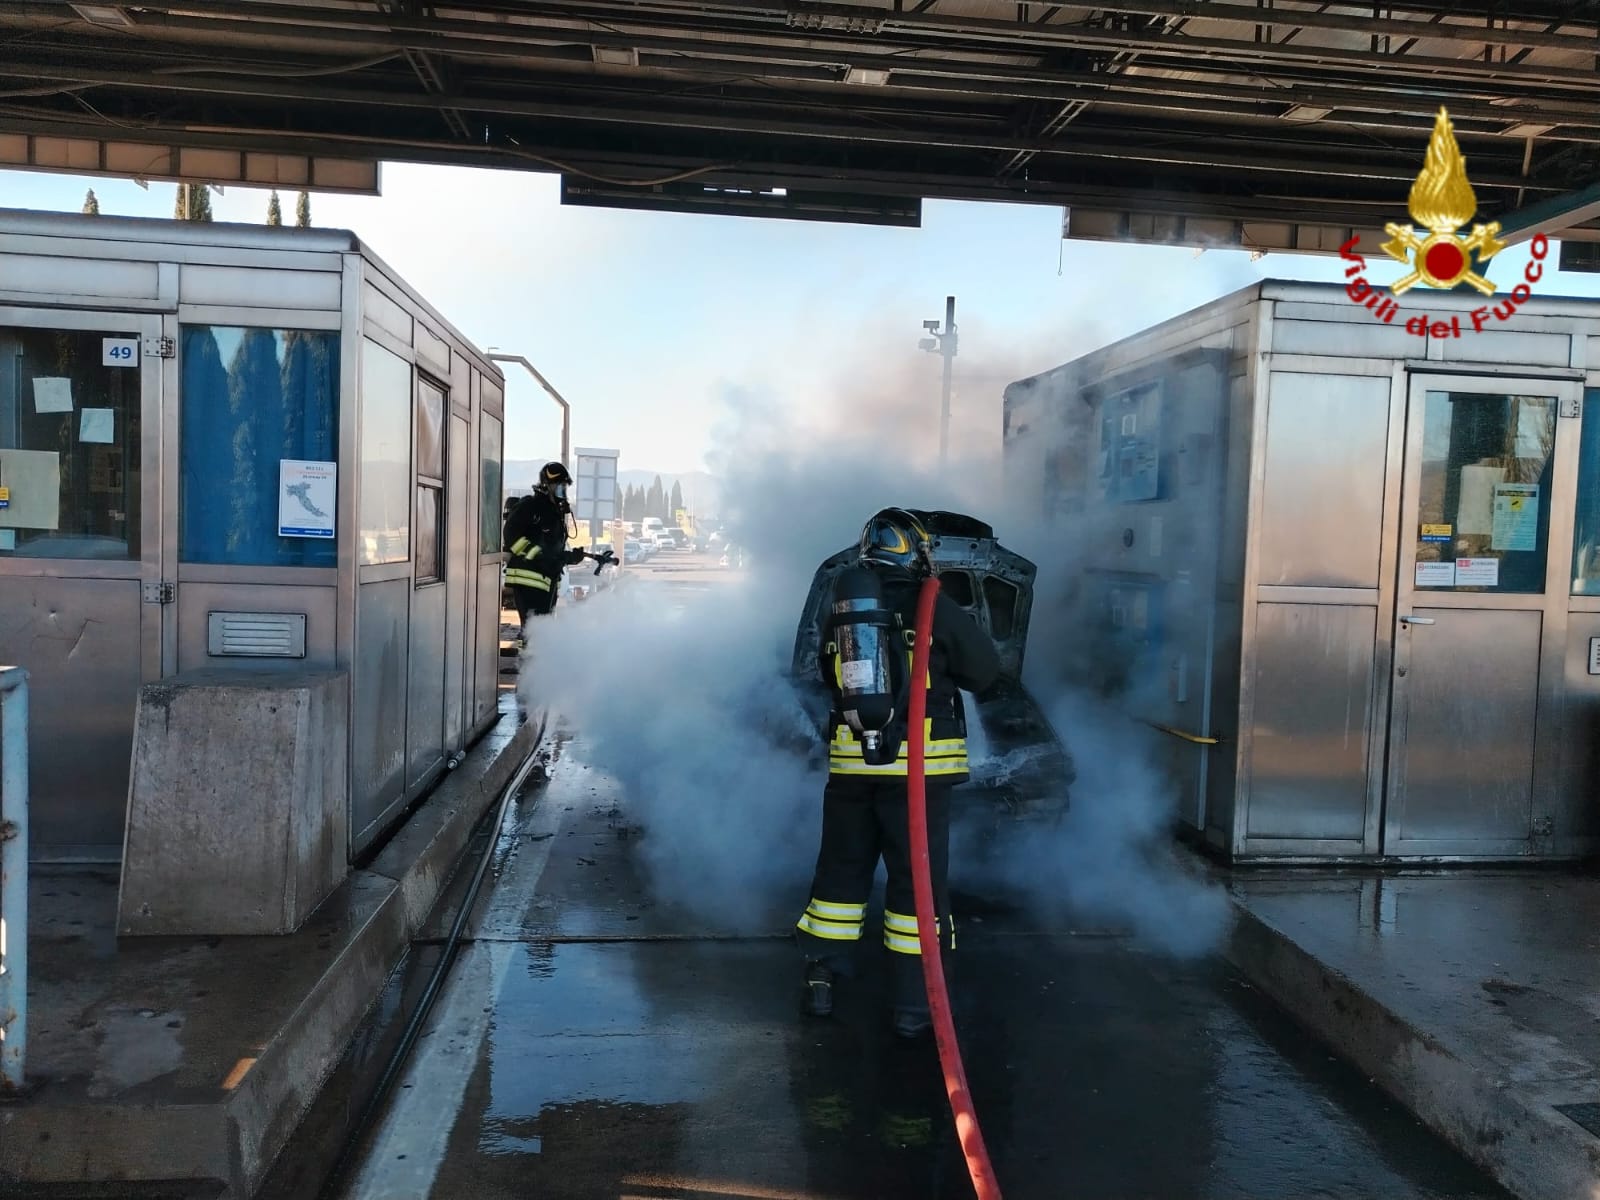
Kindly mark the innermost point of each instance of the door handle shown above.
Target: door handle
(1409, 620)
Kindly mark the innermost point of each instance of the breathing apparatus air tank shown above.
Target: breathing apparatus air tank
(867, 638)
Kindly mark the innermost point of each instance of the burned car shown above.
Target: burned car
(1019, 765)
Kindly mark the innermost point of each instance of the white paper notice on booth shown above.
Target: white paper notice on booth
(98, 425)
(51, 394)
(1436, 574)
(308, 497)
(1477, 572)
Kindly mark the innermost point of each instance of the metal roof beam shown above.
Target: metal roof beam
(985, 32)
(1434, 29)
(1171, 147)
(1550, 217)
(920, 179)
(1044, 83)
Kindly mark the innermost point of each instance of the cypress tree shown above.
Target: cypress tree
(91, 205)
(274, 209)
(194, 202)
(302, 211)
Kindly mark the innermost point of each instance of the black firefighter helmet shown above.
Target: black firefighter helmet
(553, 474)
(897, 538)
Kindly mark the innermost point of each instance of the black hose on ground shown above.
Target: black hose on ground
(441, 969)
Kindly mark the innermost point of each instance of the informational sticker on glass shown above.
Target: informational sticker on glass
(119, 352)
(1436, 533)
(51, 395)
(98, 425)
(1594, 656)
(1477, 572)
(307, 498)
(1516, 516)
(1436, 574)
(33, 480)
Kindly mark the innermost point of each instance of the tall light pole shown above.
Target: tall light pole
(566, 409)
(943, 342)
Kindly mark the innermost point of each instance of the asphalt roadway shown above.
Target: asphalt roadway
(592, 1045)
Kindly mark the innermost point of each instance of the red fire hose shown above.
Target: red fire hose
(944, 1029)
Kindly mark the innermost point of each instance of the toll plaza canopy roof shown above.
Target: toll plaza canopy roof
(1280, 124)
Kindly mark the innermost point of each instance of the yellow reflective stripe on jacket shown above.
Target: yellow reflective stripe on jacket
(529, 579)
(522, 545)
(845, 741)
(942, 756)
(898, 770)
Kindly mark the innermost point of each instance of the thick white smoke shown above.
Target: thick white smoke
(690, 707)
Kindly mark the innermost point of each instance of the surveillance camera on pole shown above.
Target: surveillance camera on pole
(944, 343)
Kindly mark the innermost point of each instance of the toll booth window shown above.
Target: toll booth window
(1002, 600)
(490, 498)
(431, 408)
(958, 586)
(69, 443)
(1586, 533)
(258, 438)
(384, 508)
(1484, 498)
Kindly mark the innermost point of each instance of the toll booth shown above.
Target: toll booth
(238, 449)
(1348, 562)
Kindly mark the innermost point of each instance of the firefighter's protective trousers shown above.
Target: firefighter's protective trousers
(864, 818)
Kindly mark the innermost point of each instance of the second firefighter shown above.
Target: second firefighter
(536, 534)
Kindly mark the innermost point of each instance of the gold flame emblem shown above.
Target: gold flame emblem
(1442, 201)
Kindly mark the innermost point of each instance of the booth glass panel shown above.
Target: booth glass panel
(386, 480)
(69, 443)
(431, 407)
(490, 497)
(251, 398)
(430, 543)
(1586, 539)
(1484, 496)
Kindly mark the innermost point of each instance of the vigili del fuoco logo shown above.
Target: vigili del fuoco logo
(1442, 202)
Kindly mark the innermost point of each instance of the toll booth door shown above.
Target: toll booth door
(81, 580)
(1480, 616)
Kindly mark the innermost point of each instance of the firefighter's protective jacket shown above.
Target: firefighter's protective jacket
(536, 540)
(962, 658)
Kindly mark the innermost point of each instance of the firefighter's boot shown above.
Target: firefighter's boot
(819, 990)
(910, 1023)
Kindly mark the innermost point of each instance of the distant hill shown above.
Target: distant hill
(699, 487)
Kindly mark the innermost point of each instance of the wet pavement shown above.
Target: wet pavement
(593, 1043)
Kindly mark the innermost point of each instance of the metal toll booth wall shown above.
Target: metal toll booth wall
(242, 450)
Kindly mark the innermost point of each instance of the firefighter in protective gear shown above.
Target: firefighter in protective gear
(864, 814)
(536, 533)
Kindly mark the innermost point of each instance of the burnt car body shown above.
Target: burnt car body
(1020, 766)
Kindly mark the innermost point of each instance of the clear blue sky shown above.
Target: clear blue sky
(649, 323)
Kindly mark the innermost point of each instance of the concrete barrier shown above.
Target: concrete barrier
(271, 1048)
(237, 803)
(1507, 1125)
